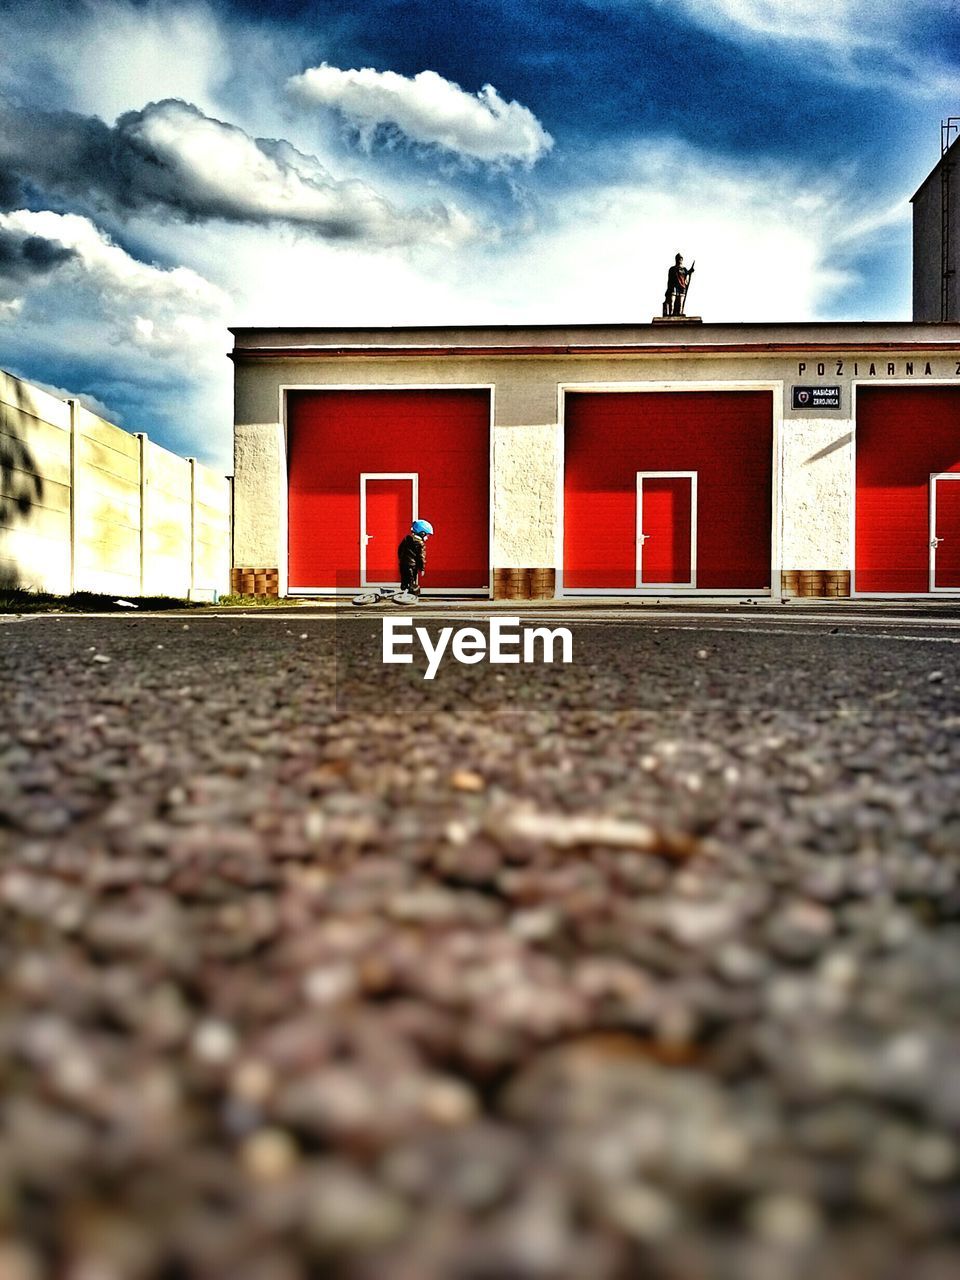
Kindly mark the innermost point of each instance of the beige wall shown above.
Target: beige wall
(813, 459)
(259, 490)
(525, 462)
(167, 533)
(817, 494)
(87, 506)
(107, 506)
(211, 532)
(35, 447)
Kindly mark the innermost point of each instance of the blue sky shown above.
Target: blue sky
(171, 168)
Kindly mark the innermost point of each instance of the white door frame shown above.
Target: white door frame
(642, 537)
(773, 385)
(855, 386)
(934, 540)
(364, 536)
(283, 391)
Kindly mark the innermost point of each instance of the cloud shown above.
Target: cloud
(170, 160)
(10, 193)
(865, 41)
(162, 312)
(106, 56)
(772, 242)
(143, 343)
(88, 401)
(24, 257)
(830, 21)
(119, 63)
(428, 109)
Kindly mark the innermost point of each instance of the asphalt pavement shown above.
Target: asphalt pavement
(644, 965)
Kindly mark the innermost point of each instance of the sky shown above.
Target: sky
(169, 168)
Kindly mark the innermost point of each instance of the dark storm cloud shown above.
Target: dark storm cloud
(115, 167)
(170, 160)
(9, 190)
(24, 257)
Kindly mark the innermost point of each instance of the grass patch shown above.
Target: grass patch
(256, 602)
(19, 600)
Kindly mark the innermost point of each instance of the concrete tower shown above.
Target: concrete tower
(936, 233)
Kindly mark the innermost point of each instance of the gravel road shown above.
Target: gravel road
(645, 966)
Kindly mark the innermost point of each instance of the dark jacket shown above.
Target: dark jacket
(412, 555)
(677, 279)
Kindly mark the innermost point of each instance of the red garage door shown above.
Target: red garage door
(722, 440)
(433, 443)
(905, 437)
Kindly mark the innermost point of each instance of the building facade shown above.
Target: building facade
(671, 458)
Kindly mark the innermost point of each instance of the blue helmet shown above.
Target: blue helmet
(423, 527)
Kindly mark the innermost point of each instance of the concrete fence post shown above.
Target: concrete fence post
(74, 466)
(230, 535)
(193, 528)
(142, 437)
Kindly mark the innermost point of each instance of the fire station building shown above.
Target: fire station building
(670, 458)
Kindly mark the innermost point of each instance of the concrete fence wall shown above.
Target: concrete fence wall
(86, 506)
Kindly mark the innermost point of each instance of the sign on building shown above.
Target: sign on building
(816, 397)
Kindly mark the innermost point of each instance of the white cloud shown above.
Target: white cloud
(428, 109)
(90, 402)
(180, 305)
(171, 160)
(867, 224)
(106, 56)
(152, 342)
(116, 64)
(770, 244)
(218, 168)
(866, 41)
(834, 21)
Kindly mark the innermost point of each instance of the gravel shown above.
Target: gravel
(641, 966)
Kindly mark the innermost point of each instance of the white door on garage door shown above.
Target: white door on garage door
(388, 506)
(666, 529)
(945, 531)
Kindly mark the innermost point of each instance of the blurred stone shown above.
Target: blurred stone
(19, 1262)
(214, 1042)
(466, 780)
(790, 1221)
(641, 1212)
(347, 1213)
(269, 1155)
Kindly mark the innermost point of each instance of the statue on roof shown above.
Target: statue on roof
(678, 281)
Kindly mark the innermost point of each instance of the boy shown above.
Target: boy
(412, 555)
